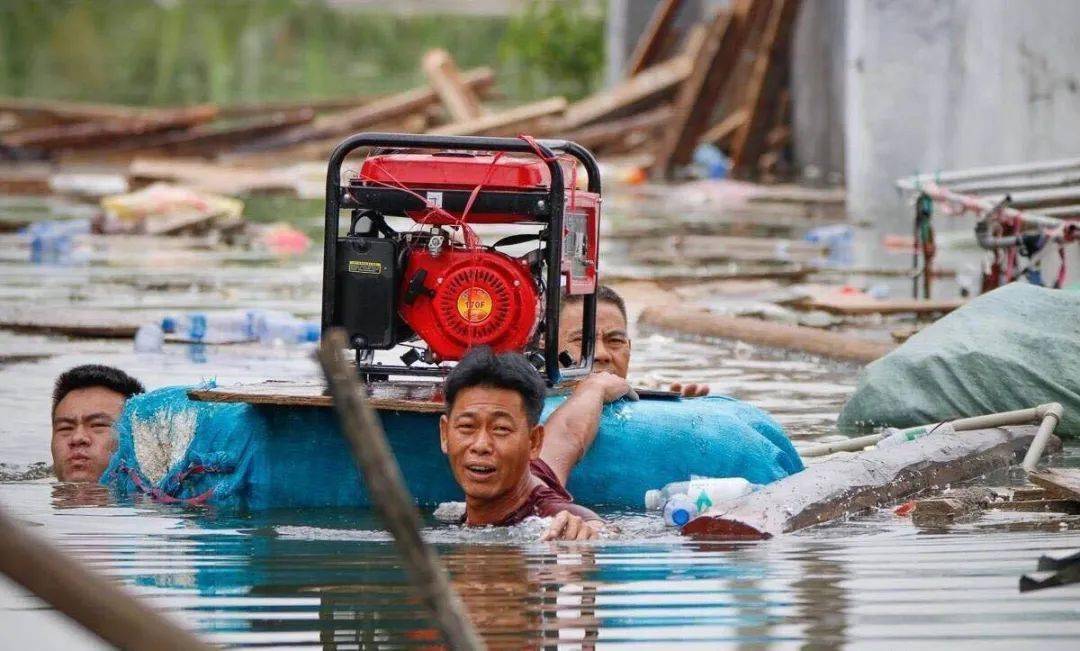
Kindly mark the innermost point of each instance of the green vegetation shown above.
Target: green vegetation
(191, 51)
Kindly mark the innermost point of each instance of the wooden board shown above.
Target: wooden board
(88, 134)
(461, 101)
(848, 484)
(650, 45)
(418, 397)
(650, 85)
(63, 320)
(860, 304)
(1061, 481)
(703, 323)
(710, 72)
(510, 121)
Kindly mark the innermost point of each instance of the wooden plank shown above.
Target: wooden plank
(509, 122)
(764, 86)
(374, 458)
(254, 109)
(211, 177)
(861, 304)
(461, 101)
(60, 111)
(650, 45)
(698, 95)
(612, 135)
(211, 138)
(719, 133)
(392, 107)
(650, 85)
(714, 248)
(1063, 481)
(88, 134)
(700, 322)
(846, 485)
(417, 397)
(75, 323)
(97, 603)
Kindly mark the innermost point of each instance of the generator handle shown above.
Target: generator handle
(555, 244)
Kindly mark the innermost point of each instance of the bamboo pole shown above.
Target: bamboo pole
(99, 605)
(382, 476)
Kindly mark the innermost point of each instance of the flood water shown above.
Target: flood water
(332, 578)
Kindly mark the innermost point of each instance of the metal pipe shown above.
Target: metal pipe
(1044, 414)
(1051, 416)
(916, 182)
(983, 205)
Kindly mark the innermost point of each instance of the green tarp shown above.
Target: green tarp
(1012, 348)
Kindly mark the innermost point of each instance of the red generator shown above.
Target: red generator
(435, 287)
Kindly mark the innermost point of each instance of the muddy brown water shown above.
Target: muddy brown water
(331, 578)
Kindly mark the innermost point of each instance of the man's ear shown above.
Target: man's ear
(536, 441)
(444, 423)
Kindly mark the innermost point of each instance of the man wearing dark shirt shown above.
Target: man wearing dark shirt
(492, 436)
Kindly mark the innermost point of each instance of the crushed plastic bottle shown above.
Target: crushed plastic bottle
(896, 436)
(838, 239)
(212, 328)
(272, 328)
(709, 162)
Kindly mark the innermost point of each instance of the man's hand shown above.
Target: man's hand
(567, 526)
(611, 386)
(690, 390)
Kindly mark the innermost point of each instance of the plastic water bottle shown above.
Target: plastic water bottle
(214, 328)
(839, 239)
(900, 436)
(274, 328)
(149, 338)
(714, 490)
(710, 162)
(679, 510)
(51, 241)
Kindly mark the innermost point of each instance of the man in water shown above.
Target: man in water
(492, 437)
(572, 427)
(86, 401)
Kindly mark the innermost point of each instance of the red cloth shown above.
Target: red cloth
(546, 500)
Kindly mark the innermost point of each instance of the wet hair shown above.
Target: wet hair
(483, 368)
(95, 375)
(604, 294)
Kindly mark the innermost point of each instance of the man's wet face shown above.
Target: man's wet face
(489, 442)
(612, 340)
(82, 434)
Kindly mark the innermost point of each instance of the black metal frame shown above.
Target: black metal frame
(530, 203)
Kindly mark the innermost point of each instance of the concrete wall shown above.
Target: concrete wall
(936, 85)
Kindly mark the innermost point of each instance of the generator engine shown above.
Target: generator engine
(435, 286)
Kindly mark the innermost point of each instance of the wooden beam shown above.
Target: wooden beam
(848, 484)
(211, 139)
(254, 109)
(709, 74)
(89, 134)
(765, 84)
(382, 477)
(700, 322)
(392, 107)
(461, 101)
(95, 602)
(45, 111)
(650, 85)
(508, 122)
(648, 50)
(719, 133)
(605, 135)
(417, 397)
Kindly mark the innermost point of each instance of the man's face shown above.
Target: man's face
(82, 435)
(489, 442)
(612, 340)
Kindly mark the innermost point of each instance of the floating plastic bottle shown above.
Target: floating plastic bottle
(52, 241)
(679, 510)
(700, 493)
(150, 338)
(278, 328)
(212, 328)
(900, 436)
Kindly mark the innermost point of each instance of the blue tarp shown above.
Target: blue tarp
(261, 457)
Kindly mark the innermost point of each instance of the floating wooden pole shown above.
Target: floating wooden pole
(704, 323)
(99, 605)
(845, 485)
(382, 476)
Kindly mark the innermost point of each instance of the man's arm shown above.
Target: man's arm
(568, 526)
(571, 429)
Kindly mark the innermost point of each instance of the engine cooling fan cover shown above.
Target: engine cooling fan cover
(470, 298)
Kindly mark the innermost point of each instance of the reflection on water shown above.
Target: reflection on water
(284, 579)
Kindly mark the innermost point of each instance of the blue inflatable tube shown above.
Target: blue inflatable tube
(264, 457)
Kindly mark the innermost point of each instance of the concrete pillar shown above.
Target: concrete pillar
(817, 89)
